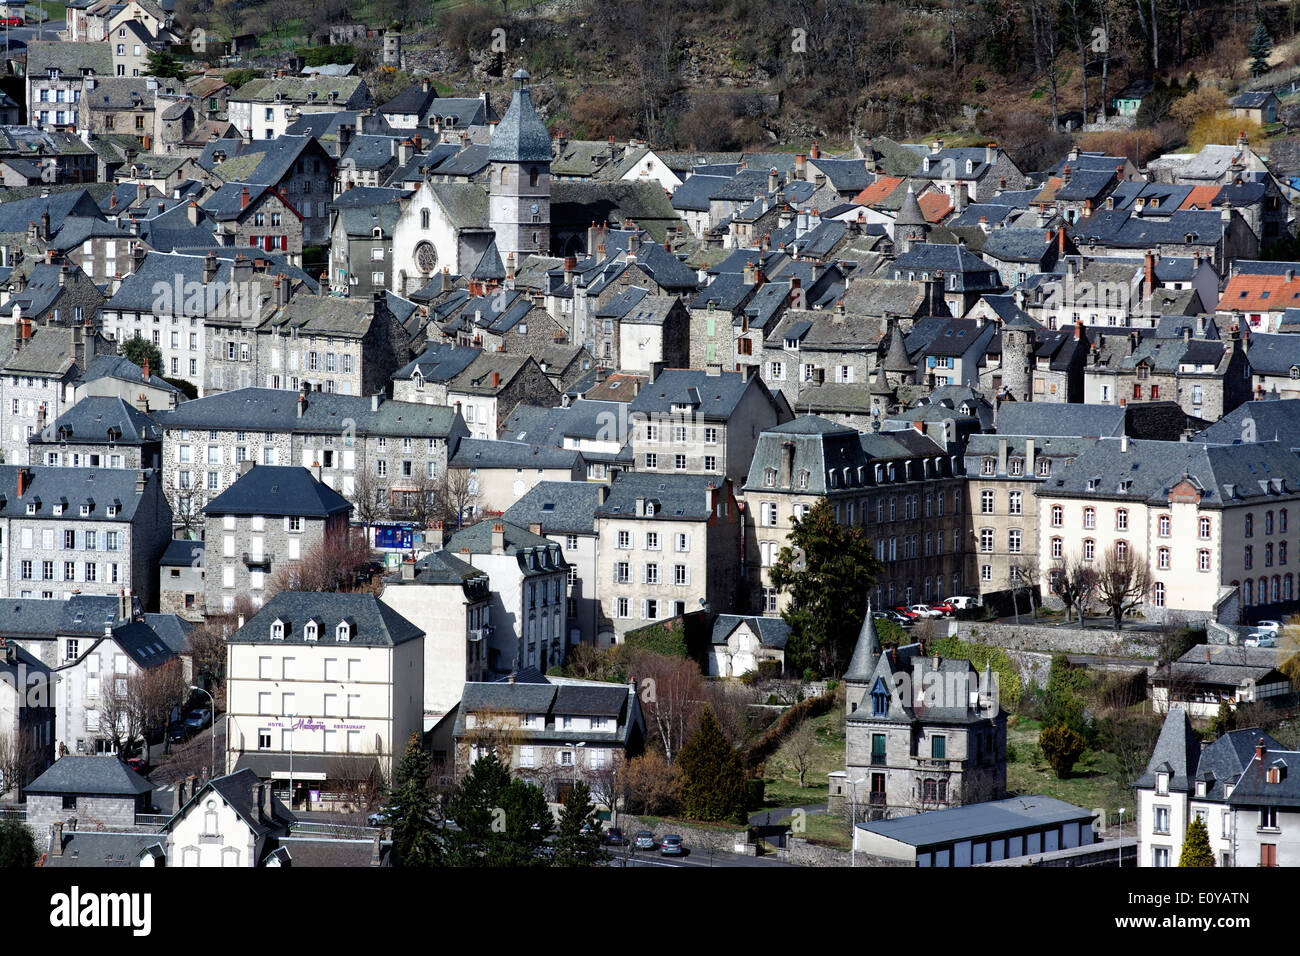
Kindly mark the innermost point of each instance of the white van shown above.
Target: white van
(963, 603)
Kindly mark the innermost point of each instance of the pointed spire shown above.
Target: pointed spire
(909, 213)
(896, 359)
(867, 651)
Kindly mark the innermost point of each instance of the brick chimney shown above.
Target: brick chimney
(498, 538)
(243, 198)
(56, 845)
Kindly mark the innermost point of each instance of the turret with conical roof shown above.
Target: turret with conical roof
(898, 369)
(910, 227)
(519, 205)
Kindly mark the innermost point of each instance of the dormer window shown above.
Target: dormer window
(277, 631)
(111, 511)
(85, 510)
(58, 509)
(769, 477)
(1162, 783)
(1200, 788)
(312, 631)
(649, 509)
(343, 633)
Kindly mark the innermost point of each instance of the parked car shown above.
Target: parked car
(924, 610)
(1274, 626)
(379, 818)
(12, 21)
(1261, 639)
(614, 837)
(946, 609)
(962, 603)
(902, 620)
(644, 840)
(199, 719)
(139, 764)
(906, 612)
(178, 731)
(671, 846)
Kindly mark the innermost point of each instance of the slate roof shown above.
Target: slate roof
(182, 553)
(936, 828)
(100, 848)
(441, 567)
(1253, 788)
(238, 791)
(440, 362)
(972, 273)
(710, 396)
(373, 623)
(106, 775)
(92, 419)
(123, 369)
(274, 409)
(278, 490)
(351, 90)
(553, 698)
(560, 507)
(498, 453)
(50, 485)
(676, 497)
(1059, 418)
(1149, 469)
(1267, 421)
(772, 631)
(69, 58)
(1176, 753)
(520, 137)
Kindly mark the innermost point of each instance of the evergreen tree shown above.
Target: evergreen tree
(1261, 45)
(572, 846)
(713, 782)
(827, 570)
(1062, 748)
(165, 65)
(17, 847)
(499, 821)
(1196, 846)
(138, 349)
(411, 810)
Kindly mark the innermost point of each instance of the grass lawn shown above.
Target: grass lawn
(665, 825)
(825, 829)
(783, 788)
(1090, 784)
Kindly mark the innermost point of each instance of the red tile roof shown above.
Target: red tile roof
(1201, 197)
(935, 206)
(1260, 293)
(879, 190)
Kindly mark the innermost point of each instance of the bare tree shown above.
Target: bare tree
(119, 718)
(21, 759)
(1123, 583)
(154, 692)
(497, 731)
(798, 749)
(368, 496)
(1075, 582)
(187, 506)
(331, 565)
(457, 492)
(1023, 578)
(672, 691)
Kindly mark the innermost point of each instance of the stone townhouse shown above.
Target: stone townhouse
(559, 730)
(983, 170)
(125, 105)
(1212, 521)
(170, 299)
(1257, 295)
(565, 512)
(336, 679)
(86, 530)
(99, 432)
(361, 240)
(922, 733)
(390, 449)
(1207, 378)
(256, 219)
(38, 380)
(500, 472)
(29, 154)
(949, 351)
(493, 385)
(27, 705)
(597, 429)
(1003, 472)
(690, 421)
(1275, 364)
(53, 293)
(262, 109)
(297, 166)
(94, 683)
(964, 276)
(450, 601)
(529, 579)
(115, 376)
(321, 343)
(55, 73)
(652, 329)
(1237, 786)
(180, 580)
(427, 377)
(496, 320)
(1219, 236)
(904, 487)
(268, 519)
(810, 348)
(668, 545)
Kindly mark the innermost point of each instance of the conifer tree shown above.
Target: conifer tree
(17, 847)
(713, 782)
(411, 809)
(572, 846)
(1196, 846)
(499, 821)
(1261, 45)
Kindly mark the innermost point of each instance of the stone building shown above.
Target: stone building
(905, 488)
(82, 530)
(921, 733)
(99, 432)
(99, 790)
(269, 518)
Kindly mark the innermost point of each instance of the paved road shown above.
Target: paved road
(50, 31)
(696, 858)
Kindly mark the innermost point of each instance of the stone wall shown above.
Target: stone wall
(1063, 640)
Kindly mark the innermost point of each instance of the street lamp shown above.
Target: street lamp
(1121, 836)
(212, 766)
(853, 843)
(575, 747)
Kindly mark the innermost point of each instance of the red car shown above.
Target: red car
(945, 608)
(12, 21)
(906, 612)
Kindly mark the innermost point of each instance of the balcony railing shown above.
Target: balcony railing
(877, 800)
(258, 560)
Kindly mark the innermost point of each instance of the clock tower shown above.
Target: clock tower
(519, 203)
